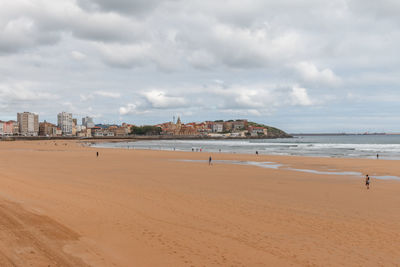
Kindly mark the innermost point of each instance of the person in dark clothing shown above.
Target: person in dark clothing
(257, 153)
(97, 154)
(367, 181)
(209, 161)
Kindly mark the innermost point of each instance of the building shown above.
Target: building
(218, 127)
(178, 128)
(1, 128)
(258, 131)
(100, 132)
(119, 131)
(64, 122)
(10, 128)
(84, 132)
(80, 128)
(28, 123)
(228, 126)
(47, 129)
(58, 132)
(239, 125)
(88, 122)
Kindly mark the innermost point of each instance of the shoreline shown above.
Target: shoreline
(93, 145)
(278, 159)
(135, 138)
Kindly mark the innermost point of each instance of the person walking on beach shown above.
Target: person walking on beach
(257, 153)
(97, 154)
(367, 180)
(377, 156)
(209, 161)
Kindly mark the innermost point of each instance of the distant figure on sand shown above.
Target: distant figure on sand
(257, 153)
(209, 161)
(377, 156)
(97, 154)
(367, 181)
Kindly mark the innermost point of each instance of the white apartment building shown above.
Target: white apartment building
(28, 124)
(64, 122)
(217, 127)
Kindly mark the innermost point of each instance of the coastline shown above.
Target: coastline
(134, 138)
(147, 208)
(382, 148)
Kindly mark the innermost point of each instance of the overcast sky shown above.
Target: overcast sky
(301, 65)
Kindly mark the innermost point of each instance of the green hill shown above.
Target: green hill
(272, 131)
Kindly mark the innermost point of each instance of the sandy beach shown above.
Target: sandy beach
(60, 205)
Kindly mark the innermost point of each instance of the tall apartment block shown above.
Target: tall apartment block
(88, 122)
(28, 123)
(64, 122)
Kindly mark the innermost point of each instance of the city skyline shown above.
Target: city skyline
(312, 66)
(28, 125)
(67, 124)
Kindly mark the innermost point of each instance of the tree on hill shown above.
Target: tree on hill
(145, 130)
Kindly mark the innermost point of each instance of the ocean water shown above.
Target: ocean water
(351, 146)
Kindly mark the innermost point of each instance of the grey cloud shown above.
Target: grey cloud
(105, 28)
(21, 92)
(384, 9)
(36, 24)
(21, 33)
(22, 96)
(122, 6)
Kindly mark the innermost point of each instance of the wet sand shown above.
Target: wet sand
(60, 205)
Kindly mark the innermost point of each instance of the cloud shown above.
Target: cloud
(21, 92)
(108, 94)
(384, 9)
(310, 73)
(77, 55)
(105, 94)
(160, 100)
(125, 56)
(121, 6)
(128, 109)
(299, 96)
(18, 34)
(28, 24)
(21, 96)
(103, 27)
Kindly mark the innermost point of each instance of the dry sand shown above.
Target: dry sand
(62, 206)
